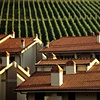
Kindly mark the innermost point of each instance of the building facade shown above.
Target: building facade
(68, 71)
(11, 75)
(25, 51)
(74, 47)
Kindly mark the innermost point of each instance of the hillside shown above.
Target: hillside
(50, 19)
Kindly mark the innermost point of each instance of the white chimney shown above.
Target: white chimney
(56, 76)
(22, 43)
(13, 34)
(70, 67)
(47, 45)
(35, 36)
(98, 38)
(5, 58)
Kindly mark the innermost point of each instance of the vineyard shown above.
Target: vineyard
(50, 19)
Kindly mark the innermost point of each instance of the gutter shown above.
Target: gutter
(25, 92)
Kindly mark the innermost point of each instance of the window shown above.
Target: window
(39, 96)
(65, 56)
(98, 95)
(71, 96)
(98, 57)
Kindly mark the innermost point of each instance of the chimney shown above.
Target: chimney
(5, 58)
(13, 34)
(56, 76)
(52, 56)
(35, 36)
(47, 45)
(22, 43)
(98, 38)
(27, 69)
(70, 67)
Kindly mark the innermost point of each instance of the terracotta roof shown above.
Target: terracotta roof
(69, 44)
(95, 67)
(41, 81)
(21, 71)
(2, 36)
(62, 61)
(14, 44)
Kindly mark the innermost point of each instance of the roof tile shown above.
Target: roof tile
(41, 81)
(62, 61)
(69, 44)
(14, 44)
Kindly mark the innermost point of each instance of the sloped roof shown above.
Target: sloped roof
(70, 44)
(19, 69)
(2, 36)
(84, 81)
(14, 44)
(62, 61)
(95, 67)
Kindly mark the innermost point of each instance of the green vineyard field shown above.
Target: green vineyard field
(50, 19)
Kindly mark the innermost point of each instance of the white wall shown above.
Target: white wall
(0, 87)
(17, 59)
(56, 79)
(81, 68)
(47, 69)
(28, 58)
(19, 95)
(3, 87)
(44, 68)
(70, 69)
(38, 54)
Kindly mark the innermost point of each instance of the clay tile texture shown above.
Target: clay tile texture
(84, 81)
(14, 44)
(62, 61)
(2, 36)
(70, 44)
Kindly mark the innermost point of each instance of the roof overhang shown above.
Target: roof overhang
(72, 51)
(49, 91)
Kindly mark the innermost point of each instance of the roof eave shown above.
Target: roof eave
(66, 90)
(70, 51)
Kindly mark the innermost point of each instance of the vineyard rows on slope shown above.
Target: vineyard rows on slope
(50, 19)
